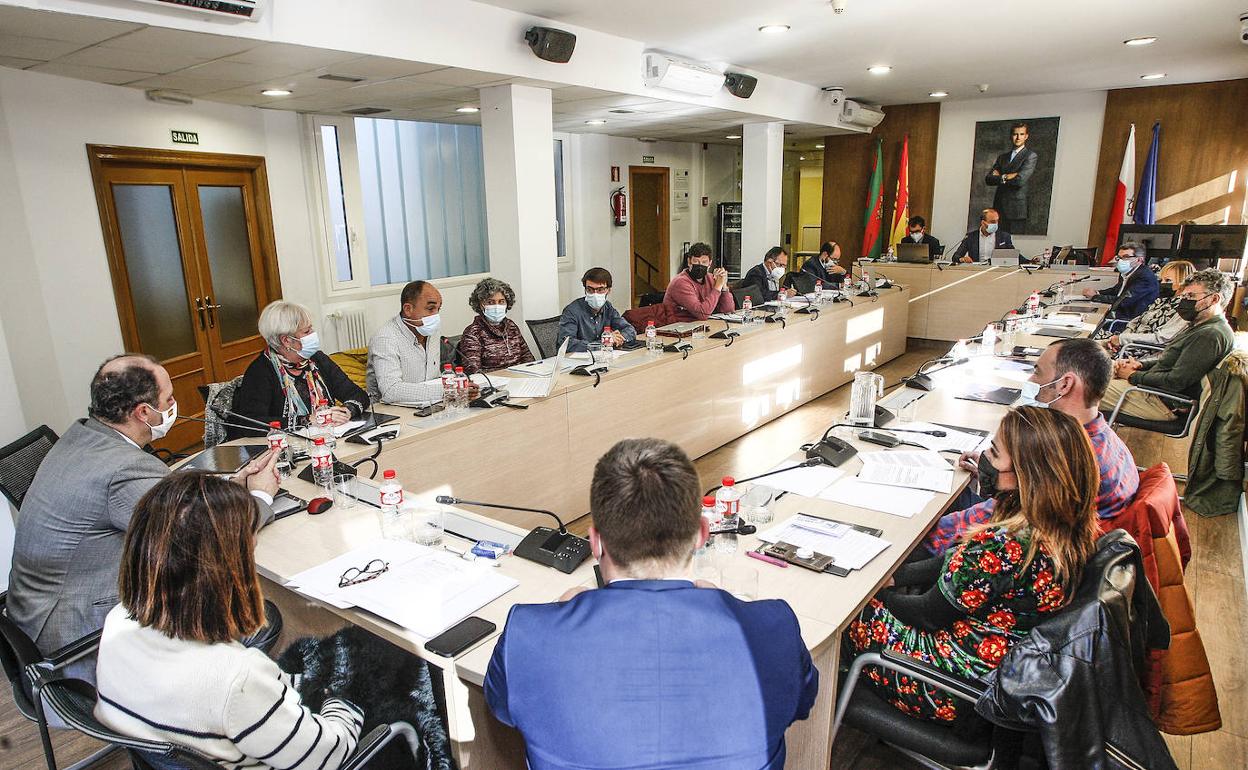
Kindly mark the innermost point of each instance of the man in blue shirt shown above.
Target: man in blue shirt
(652, 670)
(1137, 285)
(584, 319)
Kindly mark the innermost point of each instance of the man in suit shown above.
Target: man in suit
(1010, 174)
(768, 275)
(652, 670)
(827, 268)
(916, 232)
(979, 244)
(73, 520)
(1137, 284)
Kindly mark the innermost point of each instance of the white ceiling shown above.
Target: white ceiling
(235, 70)
(947, 45)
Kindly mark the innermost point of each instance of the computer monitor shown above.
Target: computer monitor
(1161, 241)
(1075, 255)
(914, 252)
(1214, 241)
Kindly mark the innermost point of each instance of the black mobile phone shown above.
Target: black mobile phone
(876, 437)
(460, 637)
(1019, 350)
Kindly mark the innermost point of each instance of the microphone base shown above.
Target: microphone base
(919, 382)
(725, 334)
(832, 451)
(552, 548)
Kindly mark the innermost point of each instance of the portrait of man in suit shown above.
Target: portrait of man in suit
(1016, 181)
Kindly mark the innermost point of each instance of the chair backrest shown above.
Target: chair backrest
(801, 281)
(20, 460)
(545, 333)
(651, 298)
(750, 290)
(17, 651)
(220, 399)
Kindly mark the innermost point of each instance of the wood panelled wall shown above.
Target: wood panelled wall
(1204, 143)
(847, 172)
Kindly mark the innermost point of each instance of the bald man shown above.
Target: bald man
(73, 520)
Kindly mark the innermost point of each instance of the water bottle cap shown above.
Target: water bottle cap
(728, 481)
(323, 402)
(320, 441)
(387, 474)
(275, 424)
(708, 501)
(649, 323)
(606, 328)
(459, 370)
(446, 366)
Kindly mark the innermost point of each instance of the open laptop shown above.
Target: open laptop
(538, 387)
(1004, 258)
(920, 253)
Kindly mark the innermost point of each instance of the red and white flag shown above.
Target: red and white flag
(1123, 207)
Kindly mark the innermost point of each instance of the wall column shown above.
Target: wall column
(762, 172)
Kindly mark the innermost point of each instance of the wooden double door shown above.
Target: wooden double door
(190, 245)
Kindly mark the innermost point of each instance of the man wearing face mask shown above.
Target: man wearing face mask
(768, 275)
(917, 233)
(827, 267)
(1071, 377)
(584, 319)
(979, 244)
(292, 376)
(698, 291)
(1186, 359)
(405, 355)
(1136, 288)
(73, 520)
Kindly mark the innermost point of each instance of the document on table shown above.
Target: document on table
(807, 482)
(897, 501)
(321, 581)
(959, 440)
(920, 469)
(848, 547)
(542, 368)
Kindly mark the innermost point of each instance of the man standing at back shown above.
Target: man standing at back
(650, 671)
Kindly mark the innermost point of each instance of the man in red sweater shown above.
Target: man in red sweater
(698, 291)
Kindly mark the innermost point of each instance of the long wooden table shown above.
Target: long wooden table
(806, 359)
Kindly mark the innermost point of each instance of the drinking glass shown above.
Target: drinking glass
(344, 492)
(706, 565)
(427, 524)
(395, 523)
(740, 581)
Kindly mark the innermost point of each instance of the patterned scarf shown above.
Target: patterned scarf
(288, 373)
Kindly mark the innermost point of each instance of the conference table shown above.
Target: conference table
(543, 456)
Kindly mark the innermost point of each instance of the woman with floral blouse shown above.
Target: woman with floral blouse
(962, 611)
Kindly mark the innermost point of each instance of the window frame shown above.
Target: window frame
(568, 144)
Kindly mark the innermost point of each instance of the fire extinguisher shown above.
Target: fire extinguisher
(619, 207)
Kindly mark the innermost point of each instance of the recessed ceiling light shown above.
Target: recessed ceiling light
(467, 108)
(1140, 41)
(938, 94)
(595, 122)
(275, 92)
(1153, 76)
(818, 146)
(801, 157)
(880, 69)
(773, 29)
(733, 136)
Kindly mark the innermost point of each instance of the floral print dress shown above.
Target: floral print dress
(985, 578)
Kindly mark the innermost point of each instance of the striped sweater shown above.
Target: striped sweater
(227, 701)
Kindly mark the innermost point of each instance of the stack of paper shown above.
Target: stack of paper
(919, 469)
(807, 482)
(849, 548)
(897, 501)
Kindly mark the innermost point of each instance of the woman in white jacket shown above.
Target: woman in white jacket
(1160, 322)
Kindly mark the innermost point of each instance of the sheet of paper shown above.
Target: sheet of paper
(897, 501)
(919, 469)
(321, 581)
(347, 427)
(848, 547)
(541, 368)
(962, 441)
(807, 482)
(498, 382)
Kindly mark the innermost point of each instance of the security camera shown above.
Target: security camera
(838, 6)
(1243, 28)
(836, 95)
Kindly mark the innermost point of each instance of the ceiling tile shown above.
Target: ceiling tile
(454, 76)
(60, 26)
(135, 61)
(21, 64)
(197, 44)
(191, 85)
(400, 88)
(225, 69)
(97, 74)
(297, 57)
(35, 47)
(380, 68)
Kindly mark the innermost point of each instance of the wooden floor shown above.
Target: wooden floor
(1214, 578)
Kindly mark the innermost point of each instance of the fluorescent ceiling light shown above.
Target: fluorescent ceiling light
(468, 108)
(938, 94)
(733, 136)
(773, 29)
(880, 69)
(818, 146)
(1140, 41)
(275, 92)
(595, 122)
(1153, 76)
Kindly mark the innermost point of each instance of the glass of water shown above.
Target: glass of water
(344, 492)
(427, 524)
(395, 523)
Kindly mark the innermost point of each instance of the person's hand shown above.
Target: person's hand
(617, 337)
(790, 292)
(1089, 293)
(966, 260)
(969, 462)
(260, 475)
(1008, 177)
(720, 277)
(572, 592)
(474, 391)
(837, 270)
(1114, 343)
(1125, 368)
(996, 172)
(339, 415)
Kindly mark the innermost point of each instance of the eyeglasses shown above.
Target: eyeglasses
(355, 575)
(597, 289)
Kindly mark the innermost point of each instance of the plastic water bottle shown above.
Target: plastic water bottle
(728, 508)
(1009, 332)
(818, 291)
(448, 387)
(1033, 303)
(322, 466)
(988, 342)
(461, 389)
(391, 490)
(712, 521)
(747, 310)
(652, 338)
(608, 339)
(277, 441)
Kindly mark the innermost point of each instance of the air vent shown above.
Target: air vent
(341, 78)
(366, 111)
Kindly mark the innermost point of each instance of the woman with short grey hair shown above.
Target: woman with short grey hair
(292, 376)
(492, 341)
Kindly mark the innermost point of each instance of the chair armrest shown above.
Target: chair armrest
(1144, 347)
(376, 740)
(74, 651)
(1173, 397)
(969, 689)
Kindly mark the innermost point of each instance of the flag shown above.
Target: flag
(901, 200)
(1123, 206)
(874, 217)
(1146, 198)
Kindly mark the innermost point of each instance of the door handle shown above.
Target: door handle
(212, 312)
(199, 308)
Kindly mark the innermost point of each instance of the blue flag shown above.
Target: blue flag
(1146, 198)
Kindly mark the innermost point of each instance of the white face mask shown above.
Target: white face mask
(167, 419)
(777, 273)
(494, 313)
(310, 345)
(916, 237)
(596, 301)
(991, 228)
(1032, 389)
(428, 325)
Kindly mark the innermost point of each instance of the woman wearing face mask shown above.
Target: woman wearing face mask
(492, 341)
(1160, 321)
(966, 609)
(292, 376)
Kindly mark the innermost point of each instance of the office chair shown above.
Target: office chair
(750, 290)
(1186, 410)
(218, 399)
(17, 652)
(20, 460)
(73, 700)
(650, 298)
(801, 282)
(545, 333)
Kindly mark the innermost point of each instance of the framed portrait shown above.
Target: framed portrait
(1012, 172)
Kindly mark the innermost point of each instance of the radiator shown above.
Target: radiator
(349, 324)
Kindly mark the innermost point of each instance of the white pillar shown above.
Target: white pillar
(518, 152)
(762, 171)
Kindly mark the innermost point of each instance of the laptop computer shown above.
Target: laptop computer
(538, 387)
(225, 458)
(920, 253)
(1004, 258)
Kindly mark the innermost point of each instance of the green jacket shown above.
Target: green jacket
(1187, 359)
(1215, 462)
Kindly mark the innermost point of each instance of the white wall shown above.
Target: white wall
(12, 425)
(1078, 148)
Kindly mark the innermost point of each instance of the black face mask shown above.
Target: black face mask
(1167, 291)
(988, 477)
(1187, 309)
(698, 272)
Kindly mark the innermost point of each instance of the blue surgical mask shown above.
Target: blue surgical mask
(1125, 266)
(494, 313)
(992, 227)
(310, 345)
(596, 301)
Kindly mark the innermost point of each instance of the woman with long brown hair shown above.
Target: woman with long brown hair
(171, 666)
(1003, 577)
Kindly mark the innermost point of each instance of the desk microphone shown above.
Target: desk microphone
(593, 367)
(727, 333)
(548, 547)
(808, 463)
(490, 396)
(922, 380)
(936, 433)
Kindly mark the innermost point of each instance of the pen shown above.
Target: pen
(766, 558)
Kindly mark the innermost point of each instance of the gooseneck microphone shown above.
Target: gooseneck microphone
(448, 500)
(804, 464)
(936, 433)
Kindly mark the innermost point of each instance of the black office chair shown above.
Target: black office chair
(750, 290)
(800, 281)
(545, 333)
(650, 298)
(17, 652)
(20, 460)
(73, 700)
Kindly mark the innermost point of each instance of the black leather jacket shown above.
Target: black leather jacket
(1074, 678)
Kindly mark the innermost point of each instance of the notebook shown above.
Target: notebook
(990, 395)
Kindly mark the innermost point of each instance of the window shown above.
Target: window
(340, 242)
(561, 229)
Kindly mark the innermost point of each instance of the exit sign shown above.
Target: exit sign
(647, 159)
(184, 137)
